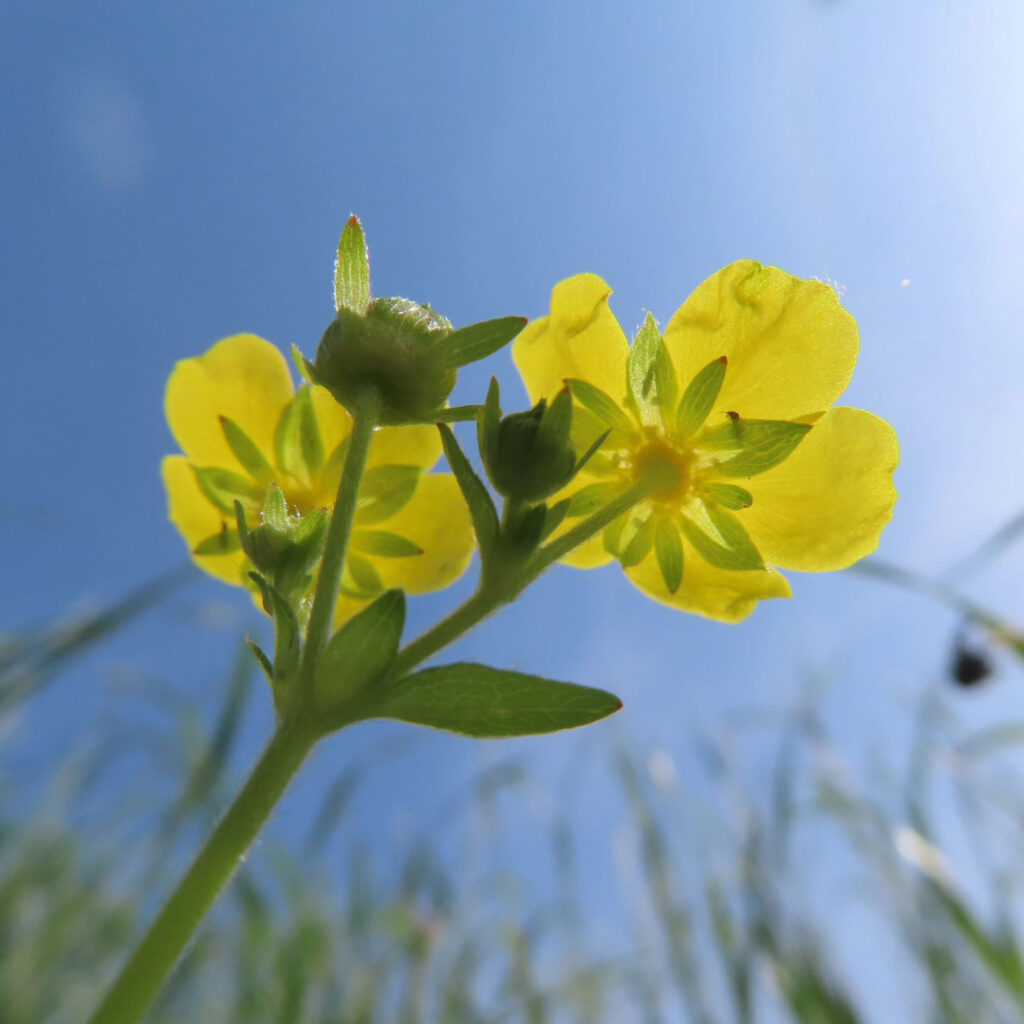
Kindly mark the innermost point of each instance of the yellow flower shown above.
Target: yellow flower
(737, 398)
(242, 427)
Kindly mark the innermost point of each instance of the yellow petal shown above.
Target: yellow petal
(331, 416)
(391, 446)
(713, 593)
(791, 346)
(244, 378)
(826, 505)
(437, 520)
(197, 519)
(581, 339)
(405, 446)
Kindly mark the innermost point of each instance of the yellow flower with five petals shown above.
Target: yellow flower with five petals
(242, 427)
(737, 398)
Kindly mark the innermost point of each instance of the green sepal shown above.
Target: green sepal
(652, 379)
(459, 414)
(488, 703)
(481, 508)
(731, 548)
(299, 449)
(729, 496)
(592, 450)
(223, 487)
(275, 509)
(760, 444)
(303, 366)
(261, 659)
(352, 269)
(468, 344)
(246, 451)
(594, 400)
(334, 466)
(668, 549)
(361, 650)
(384, 544)
(524, 529)
(386, 490)
(629, 539)
(699, 398)
(363, 575)
(287, 644)
(593, 497)
(488, 422)
(556, 423)
(225, 541)
(553, 517)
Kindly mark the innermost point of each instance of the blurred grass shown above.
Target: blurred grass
(722, 936)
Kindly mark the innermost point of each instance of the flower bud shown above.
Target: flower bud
(284, 548)
(397, 349)
(528, 455)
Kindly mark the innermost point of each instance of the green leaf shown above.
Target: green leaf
(476, 700)
(384, 544)
(385, 490)
(297, 442)
(362, 649)
(593, 497)
(594, 400)
(668, 548)
(352, 270)
(652, 380)
(286, 641)
(699, 398)
(223, 487)
(729, 496)
(481, 507)
(224, 542)
(759, 444)
(468, 344)
(245, 450)
(722, 541)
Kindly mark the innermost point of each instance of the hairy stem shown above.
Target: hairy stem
(336, 545)
(142, 975)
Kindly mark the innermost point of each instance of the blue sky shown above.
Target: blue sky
(173, 174)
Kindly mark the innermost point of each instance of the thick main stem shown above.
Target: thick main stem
(142, 975)
(340, 530)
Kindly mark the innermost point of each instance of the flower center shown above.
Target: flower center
(657, 456)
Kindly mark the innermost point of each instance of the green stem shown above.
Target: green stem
(491, 597)
(336, 545)
(142, 975)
